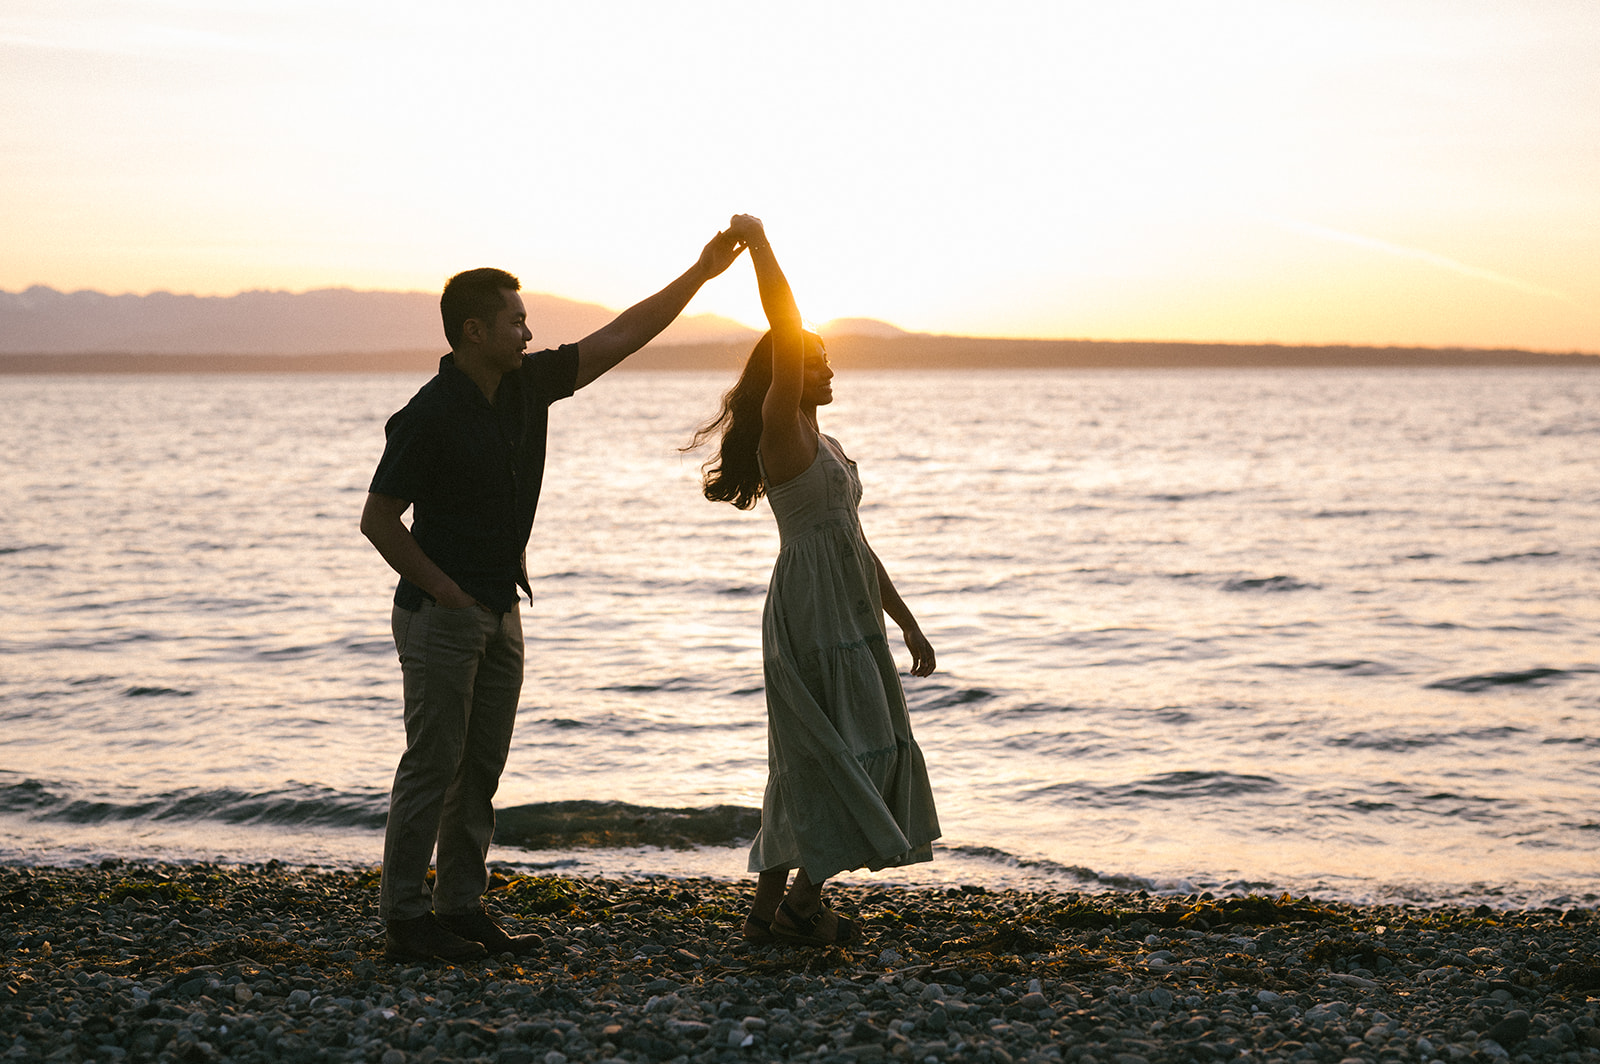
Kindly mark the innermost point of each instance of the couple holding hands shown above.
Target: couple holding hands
(847, 787)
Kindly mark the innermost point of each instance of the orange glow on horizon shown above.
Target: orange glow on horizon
(1327, 172)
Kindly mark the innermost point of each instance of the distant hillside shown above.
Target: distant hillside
(959, 352)
(911, 352)
(861, 327)
(339, 330)
(327, 321)
(922, 351)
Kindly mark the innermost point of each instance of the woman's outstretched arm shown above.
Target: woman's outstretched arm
(788, 440)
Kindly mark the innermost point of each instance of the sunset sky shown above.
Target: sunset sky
(1302, 171)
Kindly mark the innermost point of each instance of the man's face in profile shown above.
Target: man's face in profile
(506, 338)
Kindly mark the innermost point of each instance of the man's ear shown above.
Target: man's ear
(473, 331)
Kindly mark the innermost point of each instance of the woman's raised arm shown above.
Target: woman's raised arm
(788, 440)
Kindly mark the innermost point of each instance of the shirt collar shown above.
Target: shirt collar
(460, 385)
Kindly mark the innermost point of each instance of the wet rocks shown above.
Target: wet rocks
(1510, 1030)
(266, 964)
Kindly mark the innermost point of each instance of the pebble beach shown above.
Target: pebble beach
(200, 963)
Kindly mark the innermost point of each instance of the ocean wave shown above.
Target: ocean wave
(1569, 429)
(29, 547)
(1030, 709)
(1167, 786)
(1186, 496)
(1387, 743)
(1268, 583)
(962, 697)
(609, 825)
(1473, 807)
(295, 805)
(1488, 681)
(1087, 876)
(1522, 557)
(676, 683)
(545, 826)
(1379, 798)
(1392, 741)
(1355, 667)
(628, 725)
(1078, 744)
(1068, 875)
(99, 639)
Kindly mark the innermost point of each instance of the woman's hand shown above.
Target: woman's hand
(922, 660)
(747, 230)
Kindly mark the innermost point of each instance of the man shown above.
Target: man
(466, 455)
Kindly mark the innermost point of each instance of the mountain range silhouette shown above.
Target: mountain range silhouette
(43, 320)
(339, 329)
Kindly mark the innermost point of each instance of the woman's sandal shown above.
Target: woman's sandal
(805, 928)
(758, 932)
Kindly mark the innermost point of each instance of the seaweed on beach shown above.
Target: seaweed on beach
(252, 951)
(1096, 914)
(266, 963)
(1024, 953)
(547, 896)
(17, 900)
(1256, 910)
(1328, 951)
(151, 890)
(1578, 976)
(1008, 938)
(1082, 917)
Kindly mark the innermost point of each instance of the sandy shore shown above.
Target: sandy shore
(207, 963)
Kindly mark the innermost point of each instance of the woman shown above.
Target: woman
(846, 784)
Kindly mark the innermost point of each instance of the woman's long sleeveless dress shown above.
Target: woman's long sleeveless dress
(846, 786)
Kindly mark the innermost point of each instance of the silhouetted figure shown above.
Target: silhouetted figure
(846, 785)
(466, 455)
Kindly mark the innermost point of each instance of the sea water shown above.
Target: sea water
(1328, 631)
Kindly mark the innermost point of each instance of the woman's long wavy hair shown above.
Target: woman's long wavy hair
(733, 474)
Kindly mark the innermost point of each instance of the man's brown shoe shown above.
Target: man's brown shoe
(425, 939)
(480, 927)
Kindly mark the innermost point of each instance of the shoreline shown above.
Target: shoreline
(918, 353)
(143, 961)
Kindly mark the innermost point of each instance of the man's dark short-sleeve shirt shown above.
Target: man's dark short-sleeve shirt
(472, 472)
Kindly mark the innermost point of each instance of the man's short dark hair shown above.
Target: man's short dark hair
(474, 294)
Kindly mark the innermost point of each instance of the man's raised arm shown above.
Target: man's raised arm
(642, 322)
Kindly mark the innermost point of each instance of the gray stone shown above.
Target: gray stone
(1509, 1031)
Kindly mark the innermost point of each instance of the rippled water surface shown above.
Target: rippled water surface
(1329, 631)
